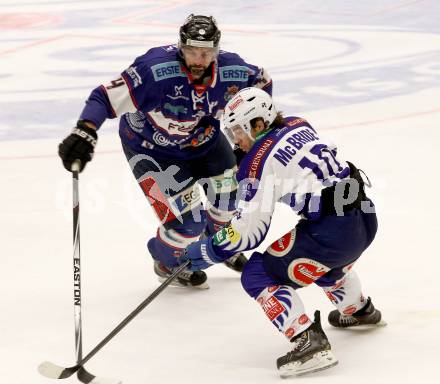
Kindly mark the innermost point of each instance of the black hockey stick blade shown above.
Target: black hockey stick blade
(87, 378)
(53, 371)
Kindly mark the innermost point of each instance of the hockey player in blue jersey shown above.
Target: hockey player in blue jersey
(288, 162)
(169, 102)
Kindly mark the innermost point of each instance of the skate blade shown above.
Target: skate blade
(318, 362)
(377, 325)
(366, 327)
(176, 283)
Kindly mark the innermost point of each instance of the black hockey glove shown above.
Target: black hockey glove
(79, 145)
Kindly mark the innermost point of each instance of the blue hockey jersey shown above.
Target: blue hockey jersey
(163, 113)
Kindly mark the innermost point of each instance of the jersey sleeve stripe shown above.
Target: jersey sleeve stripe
(130, 90)
(104, 91)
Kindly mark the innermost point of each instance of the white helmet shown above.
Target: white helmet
(245, 106)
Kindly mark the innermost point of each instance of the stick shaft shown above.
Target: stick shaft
(134, 313)
(76, 263)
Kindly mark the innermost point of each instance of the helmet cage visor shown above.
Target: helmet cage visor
(236, 133)
(193, 52)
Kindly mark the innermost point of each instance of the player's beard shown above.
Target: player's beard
(197, 71)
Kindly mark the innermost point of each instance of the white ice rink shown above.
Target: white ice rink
(366, 73)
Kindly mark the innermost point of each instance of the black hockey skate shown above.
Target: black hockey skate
(368, 316)
(311, 352)
(187, 278)
(236, 262)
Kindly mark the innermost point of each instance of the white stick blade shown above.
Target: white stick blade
(50, 370)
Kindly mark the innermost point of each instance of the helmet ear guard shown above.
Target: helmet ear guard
(248, 104)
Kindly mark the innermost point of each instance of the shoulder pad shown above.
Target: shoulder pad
(294, 122)
(165, 52)
(225, 56)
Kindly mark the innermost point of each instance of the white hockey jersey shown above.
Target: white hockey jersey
(291, 165)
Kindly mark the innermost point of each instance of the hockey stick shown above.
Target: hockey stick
(54, 371)
(83, 375)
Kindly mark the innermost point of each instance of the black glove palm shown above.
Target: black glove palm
(79, 145)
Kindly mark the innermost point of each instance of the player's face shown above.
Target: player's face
(241, 138)
(198, 59)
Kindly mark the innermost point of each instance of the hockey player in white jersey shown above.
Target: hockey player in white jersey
(287, 162)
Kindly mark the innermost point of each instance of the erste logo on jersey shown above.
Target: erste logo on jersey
(305, 271)
(167, 70)
(235, 73)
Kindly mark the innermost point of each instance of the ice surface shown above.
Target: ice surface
(367, 74)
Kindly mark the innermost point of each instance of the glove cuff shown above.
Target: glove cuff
(85, 132)
(215, 258)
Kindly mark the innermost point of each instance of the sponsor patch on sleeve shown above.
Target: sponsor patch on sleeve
(226, 233)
